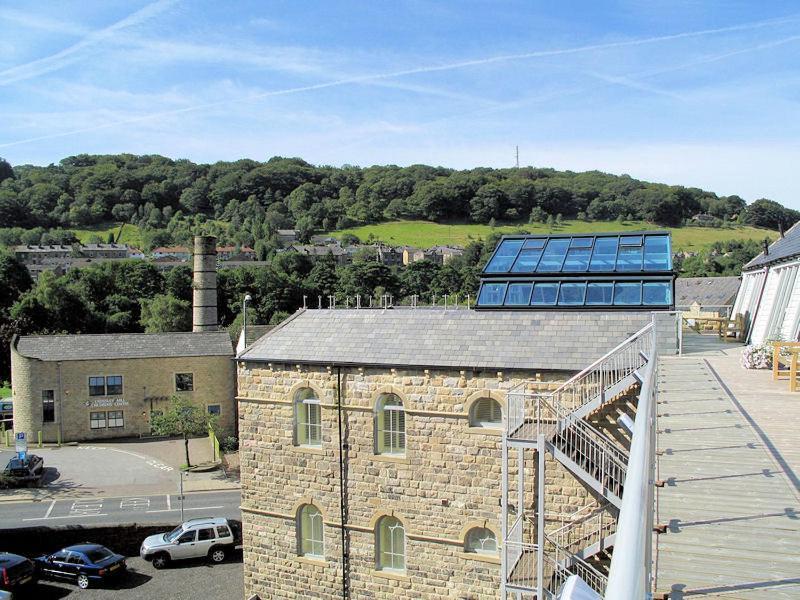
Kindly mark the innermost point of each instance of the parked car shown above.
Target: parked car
(85, 564)
(16, 572)
(28, 471)
(7, 413)
(214, 538)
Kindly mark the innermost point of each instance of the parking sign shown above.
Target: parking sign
(21, 442)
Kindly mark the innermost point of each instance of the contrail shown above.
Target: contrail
(405, 72)
(64, 57)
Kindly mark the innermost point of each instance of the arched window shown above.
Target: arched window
(310, 537)
(481, 540)
(486, 412)
(390, 426)
(307, 418)
(391, 544)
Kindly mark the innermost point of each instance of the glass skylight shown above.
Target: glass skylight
(641, 253)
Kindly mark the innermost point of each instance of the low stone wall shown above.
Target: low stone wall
(123, 539)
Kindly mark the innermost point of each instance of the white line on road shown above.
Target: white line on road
(169, 502)
(49, 510)
(66, 517)
(185, 509)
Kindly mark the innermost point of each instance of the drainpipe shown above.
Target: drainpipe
(343, 446)
(60, 403)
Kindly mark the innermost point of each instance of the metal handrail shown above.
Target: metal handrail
(631, 564)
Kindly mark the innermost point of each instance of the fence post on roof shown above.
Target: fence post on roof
(467, 301)
(319, 302)
(304, 301)
(358, 301)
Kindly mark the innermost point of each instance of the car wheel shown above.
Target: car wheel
(83, 581)
(160, 561)
(217, 555)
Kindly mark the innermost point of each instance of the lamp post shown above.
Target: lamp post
(247, 298)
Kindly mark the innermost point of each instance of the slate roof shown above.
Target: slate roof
(256, 331)
(707, 291)
(780, 250)
(125, 345)
(503, 340)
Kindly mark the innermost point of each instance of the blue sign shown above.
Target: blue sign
(21, 436)
(22, 455)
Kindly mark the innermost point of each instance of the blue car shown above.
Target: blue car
(85, 564)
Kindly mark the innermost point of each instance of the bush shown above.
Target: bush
(757, 356)
(229, 444)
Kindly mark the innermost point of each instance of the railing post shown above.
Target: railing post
(540, 518)
(504, 519)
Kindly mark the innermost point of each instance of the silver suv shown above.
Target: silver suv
(196, 538)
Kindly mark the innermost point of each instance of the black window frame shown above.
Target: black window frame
(93, 387)
(190, 387)
(49, 406)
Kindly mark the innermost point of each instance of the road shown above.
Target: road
(119, 509)
(187, 580)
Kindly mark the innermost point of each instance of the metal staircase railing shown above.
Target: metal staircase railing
(555, 422)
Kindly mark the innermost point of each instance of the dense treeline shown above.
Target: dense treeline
(169, 198)
(721, 259)
(135, 296)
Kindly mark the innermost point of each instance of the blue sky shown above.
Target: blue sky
(703, 93)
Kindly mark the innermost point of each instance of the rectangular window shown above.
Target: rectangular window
(214, 409)
(184, 382)
(544, 294)
(628, 294)
(599, 294)
(492, 294)
(97, 420)
(504, 256)
(629, 258)
(554, 255)
(657, 293)
(604, 255)
(571, 294)
(114, 385)
(48, 406)
(519, 294)
(577, 260)
(657, 254)
(97, 386)
(527, 260)
(116, 419)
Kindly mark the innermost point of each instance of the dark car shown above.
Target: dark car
(16, 572)
(28, 471)
(86, 564)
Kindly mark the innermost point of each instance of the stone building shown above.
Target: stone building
(86, 387)
(371, 439)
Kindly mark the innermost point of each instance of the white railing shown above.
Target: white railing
(559, 564)
(630, 575)
(606, 372)
(586, 527)
(520, 555)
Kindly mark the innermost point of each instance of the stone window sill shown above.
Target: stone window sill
(394, 576)
(487, 558)
(308, 560)
(310, 450)
(486, 431)
(394, 458)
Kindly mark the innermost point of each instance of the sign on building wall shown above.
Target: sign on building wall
(106, 402)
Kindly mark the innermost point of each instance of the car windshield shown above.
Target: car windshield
(173, 535)
(99, 554)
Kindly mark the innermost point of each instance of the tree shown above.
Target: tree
(184, 419)
(15, 281)
(165, 313)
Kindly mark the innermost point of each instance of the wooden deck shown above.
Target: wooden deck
(731, 503)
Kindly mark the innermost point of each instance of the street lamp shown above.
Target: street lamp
(247, 298)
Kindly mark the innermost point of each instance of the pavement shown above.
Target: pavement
(141, 509)
(118, 468)
(187, 580)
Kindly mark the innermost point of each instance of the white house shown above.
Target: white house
(769, 296)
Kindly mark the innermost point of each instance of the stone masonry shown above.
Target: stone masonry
(448, 481)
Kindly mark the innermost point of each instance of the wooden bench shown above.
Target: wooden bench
(733, 329)
(785, 367)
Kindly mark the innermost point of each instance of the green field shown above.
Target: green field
(424, 234)
(130, 233)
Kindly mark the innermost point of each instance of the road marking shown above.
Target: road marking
(49, 510)
(66, 517)
(86, 508)
(169, 502)
(134, 504)
(185, 509)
